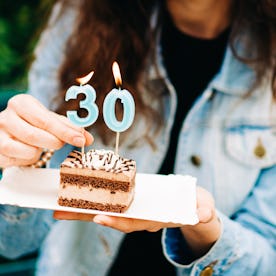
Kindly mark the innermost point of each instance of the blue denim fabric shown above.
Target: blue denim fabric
(223, 128)
(17, 233)
(247, 245)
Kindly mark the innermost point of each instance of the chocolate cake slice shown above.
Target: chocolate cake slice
(98, 179)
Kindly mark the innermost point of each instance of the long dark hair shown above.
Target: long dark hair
(109, 30)
(258, 19)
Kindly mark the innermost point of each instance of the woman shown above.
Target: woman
(203, 77)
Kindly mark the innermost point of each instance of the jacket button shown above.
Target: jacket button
(207, 271)
(259, 149)
(196, 160)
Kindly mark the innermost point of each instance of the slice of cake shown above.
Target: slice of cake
(98, 179)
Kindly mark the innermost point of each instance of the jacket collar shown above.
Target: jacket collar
(234, 76)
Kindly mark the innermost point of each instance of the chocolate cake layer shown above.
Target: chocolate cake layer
(84, 204)
(93, 182)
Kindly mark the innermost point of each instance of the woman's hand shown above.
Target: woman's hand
(27, 127)
(200, 237)
(126, 225)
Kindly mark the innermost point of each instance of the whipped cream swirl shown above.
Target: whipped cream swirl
(99, 160)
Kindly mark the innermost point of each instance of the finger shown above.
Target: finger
(205, 214)
(88, 136)
(15, 149)
(203, 197)
(89, 139)
(6, 161)
(33, 112)
(29, 134)
(127, 225)
(61, 215)
(205, 205)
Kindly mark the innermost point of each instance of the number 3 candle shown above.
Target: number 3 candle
(109, 106)
(88, 103)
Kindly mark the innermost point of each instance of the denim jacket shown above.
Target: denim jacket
(227, 141)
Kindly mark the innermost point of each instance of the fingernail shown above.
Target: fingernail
(204, 214)
(79, 141)
(98, 220)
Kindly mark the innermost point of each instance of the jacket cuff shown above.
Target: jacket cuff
(220, 256)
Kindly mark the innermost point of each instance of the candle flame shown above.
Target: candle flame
(117, 74)
(85, 79)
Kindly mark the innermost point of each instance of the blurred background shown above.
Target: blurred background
(21, 22)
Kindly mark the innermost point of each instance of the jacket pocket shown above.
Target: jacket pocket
(251, 144)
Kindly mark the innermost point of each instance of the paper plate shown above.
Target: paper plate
(166, 198)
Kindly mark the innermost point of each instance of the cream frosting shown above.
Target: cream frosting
(99, 160)
(96, 195)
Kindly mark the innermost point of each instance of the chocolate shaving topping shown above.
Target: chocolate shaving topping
(99, 160)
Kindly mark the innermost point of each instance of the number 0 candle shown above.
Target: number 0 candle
(109, 106)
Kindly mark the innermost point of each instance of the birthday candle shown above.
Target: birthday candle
(109, 106)
(88, 103)
(109, 110)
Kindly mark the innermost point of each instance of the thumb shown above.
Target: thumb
(205, 214)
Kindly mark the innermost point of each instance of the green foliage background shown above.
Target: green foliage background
(20, 24)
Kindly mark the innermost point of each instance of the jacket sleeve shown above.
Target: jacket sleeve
(247, 245)
(22, 230)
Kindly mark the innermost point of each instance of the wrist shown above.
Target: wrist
(201, 237)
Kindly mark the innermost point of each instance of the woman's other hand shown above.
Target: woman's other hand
(200, 237)
(27, 127)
